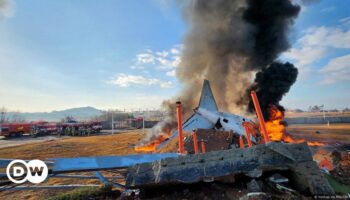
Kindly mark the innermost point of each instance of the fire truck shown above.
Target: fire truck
(96, 126)
(14, 129)
(75, 128)
(40, 128)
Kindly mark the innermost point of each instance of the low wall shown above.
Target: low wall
(317, 120)
(148, 124)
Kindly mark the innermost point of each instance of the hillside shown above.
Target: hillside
(82, 113)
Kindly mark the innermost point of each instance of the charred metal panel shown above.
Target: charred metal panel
(214, 140)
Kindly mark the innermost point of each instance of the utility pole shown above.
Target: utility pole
(324, 113)
(143, 123)
(112, 123)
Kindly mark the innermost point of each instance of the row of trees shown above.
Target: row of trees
(5, 118)
(321, 108)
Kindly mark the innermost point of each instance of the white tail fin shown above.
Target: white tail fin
(207, 100)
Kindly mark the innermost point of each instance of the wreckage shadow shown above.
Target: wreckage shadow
(278, 183)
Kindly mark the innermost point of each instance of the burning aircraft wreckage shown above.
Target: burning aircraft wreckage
(226, 43)
(219, 147)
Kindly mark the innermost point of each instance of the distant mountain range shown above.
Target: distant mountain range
(82, 113)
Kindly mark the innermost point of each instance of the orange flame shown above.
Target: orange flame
(326, 164)
(274, 126)
(314, 143)
(277, 130)
(151, 147)
(324, 159)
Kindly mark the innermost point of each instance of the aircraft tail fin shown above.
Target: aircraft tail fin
(207, 100)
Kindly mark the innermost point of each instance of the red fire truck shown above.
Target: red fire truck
(96, 126)
(42, 128)
(75, 128)
(14, 129)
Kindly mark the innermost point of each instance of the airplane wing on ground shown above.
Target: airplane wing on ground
(194, 122)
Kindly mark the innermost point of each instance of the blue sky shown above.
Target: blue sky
(122, 54)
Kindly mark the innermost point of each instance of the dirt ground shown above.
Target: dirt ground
(26, 139)
(321, 132)
(121, 144)
(289, 114)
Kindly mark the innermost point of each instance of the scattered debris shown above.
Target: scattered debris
(253, 186)
(278, 178)
(255, 196)
(341, 171)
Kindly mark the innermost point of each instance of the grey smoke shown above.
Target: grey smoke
(6, 8)
(227, 42)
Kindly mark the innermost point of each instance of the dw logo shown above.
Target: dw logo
(35, 171)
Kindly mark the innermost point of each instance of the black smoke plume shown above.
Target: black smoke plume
(271, 84)
(271, 20)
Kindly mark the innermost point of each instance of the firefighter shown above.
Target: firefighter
(72, 131)
(84, 130)
(67, 130)
(34, 131)
(81, 131)
(60, 131)
(88, 131)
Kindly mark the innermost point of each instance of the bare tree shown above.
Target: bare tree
(316, 108)
(17, 117)
(68, 119)
(3, 115)
(346, 110)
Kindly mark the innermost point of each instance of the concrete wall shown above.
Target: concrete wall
(127, 124)
(317, 120)
(148, 124)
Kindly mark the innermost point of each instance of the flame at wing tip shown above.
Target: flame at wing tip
(152, 146)
(314, 143)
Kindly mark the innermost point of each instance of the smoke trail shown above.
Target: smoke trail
(271, 20)
(227, 42)
(215, 48)
(6, 8)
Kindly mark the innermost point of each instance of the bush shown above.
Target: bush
(88, 193)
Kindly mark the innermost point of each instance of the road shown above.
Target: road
(26, 139)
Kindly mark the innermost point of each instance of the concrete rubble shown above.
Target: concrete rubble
(293, 161)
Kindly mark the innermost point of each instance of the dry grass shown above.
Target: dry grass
(172, 146)
(122, 144)
(119, 144)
